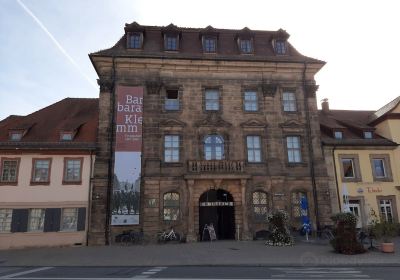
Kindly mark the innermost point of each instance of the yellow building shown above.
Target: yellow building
(363, 156)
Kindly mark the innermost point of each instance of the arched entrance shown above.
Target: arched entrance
(217, 207)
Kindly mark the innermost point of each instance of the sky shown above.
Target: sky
(45, 43)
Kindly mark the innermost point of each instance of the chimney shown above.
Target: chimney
(325, 105)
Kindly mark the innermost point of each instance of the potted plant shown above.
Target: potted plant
(385, 231)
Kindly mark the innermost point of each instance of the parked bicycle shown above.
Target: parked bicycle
(168, 236)
(326, 233)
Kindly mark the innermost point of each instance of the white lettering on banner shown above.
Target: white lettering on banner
(123, 128)
(217, 203)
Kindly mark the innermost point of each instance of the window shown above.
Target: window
(171, 148)
(72, 170)
(289, 102)
(171, 43)
(66, 136)
(135, 40)
(260, 206)
(379, 167)
(171, 206)
(246, 46)
(9, 170)
(41, 170)
(348, 168)
(214, 147)
(172, 100)
(212, 100)
(210, 45)
(338, 135)
(253, 149)
(36, 219)
(69, 219)
(5, 220)
(367, 134)
(280, 47)
(386, 212)
(250, 101)
(16, 136)
(293, 149)
(296, 198)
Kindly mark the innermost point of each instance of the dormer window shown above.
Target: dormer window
(66, 136)
(246, 46)
(135, 40)
(280, 47)
(338, 135)
(171, 42)
(367, 134)
(209, 44)
(16, 135)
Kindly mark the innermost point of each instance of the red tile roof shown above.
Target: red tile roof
(42, 128)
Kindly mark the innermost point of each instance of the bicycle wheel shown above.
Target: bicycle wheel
(126, 240)
(177, 237)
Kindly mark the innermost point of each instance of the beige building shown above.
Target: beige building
(230, 131)
(46, 162)
(362, 155)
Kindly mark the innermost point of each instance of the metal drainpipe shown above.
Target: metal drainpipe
(89, 210)
(110, 176)
(336, 180)
(310, 151)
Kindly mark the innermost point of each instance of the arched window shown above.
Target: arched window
(260, 205)
(171, 206)
(214, 147)
(296, 204)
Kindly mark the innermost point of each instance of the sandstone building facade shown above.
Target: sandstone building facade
(230, 131)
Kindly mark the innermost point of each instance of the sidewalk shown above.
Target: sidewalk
(245, 253)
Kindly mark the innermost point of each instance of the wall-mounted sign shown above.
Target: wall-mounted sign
(360, 190)
(374, 189)
(128, 151)
(217, 203)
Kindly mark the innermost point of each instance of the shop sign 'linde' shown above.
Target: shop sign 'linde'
(128, 151)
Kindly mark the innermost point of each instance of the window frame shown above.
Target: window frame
(72, 182)
(166, 45)
(368, 132)
(178, 100)
(385, 158)
(218, 100)
(250, 45)
(393, 202)
(338, 134)
(32, 181)
(256, 102)
(172, 148)
(353, 170)
(258, 218)
(172, 207)
(356, 167)
(214, 146)
(62, 228)
(280, 50)
(41, 218)
(259, 149)
(288, 104)
(291, 149)
(11, 183)
(4, 222)
(298, 204)
(141, 37)
(204, 44)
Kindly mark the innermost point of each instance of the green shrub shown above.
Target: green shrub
(278, 224)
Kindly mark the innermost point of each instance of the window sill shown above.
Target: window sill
(297, 164)
(172, 164)
(385, 179)
(39, 183)
(351, 180)
(8, 183)
(72, 182)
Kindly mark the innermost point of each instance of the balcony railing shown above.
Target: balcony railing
(216, 166)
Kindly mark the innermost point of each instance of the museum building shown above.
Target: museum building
(226, 126)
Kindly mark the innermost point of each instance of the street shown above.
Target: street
(202, 272)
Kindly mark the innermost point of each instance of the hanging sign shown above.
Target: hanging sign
(128, 150)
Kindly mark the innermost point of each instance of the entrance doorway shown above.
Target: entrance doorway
(354, 206)
(216, 207)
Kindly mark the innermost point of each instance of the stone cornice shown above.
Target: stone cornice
(105, 85)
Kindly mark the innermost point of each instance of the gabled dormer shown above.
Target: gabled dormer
(171, 35)
(134, 33)
(209, 39)
(69, 129)
(245, 41)
(279, 42)
(17, 132)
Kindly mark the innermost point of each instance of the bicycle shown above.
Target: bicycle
(131, 237)
(170, 236)
(326, 233)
